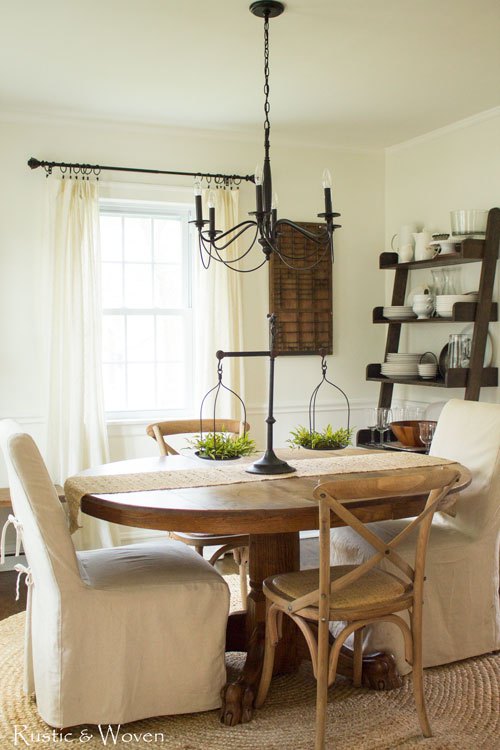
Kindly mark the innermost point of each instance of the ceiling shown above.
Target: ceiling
(356, 73)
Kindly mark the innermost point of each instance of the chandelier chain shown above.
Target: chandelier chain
(267, 106)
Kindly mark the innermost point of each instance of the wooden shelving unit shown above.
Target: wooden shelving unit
(481, 314)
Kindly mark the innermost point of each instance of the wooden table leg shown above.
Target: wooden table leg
(269, 554)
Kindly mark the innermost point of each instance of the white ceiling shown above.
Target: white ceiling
(361, 73)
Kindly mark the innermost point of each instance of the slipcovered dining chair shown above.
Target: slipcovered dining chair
(358, 594)
(113, 635)
(462, 612)
(238, 543)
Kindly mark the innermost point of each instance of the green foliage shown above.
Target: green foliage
(222, 445)
(326, 440)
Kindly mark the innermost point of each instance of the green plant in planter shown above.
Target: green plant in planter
(220, 446)
(321, 441)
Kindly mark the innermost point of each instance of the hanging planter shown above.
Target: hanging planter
(328, 439)
(222, 446)
(219, 444)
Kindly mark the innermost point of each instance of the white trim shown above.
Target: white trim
(83, 119)
(467, 122)
(299, 407)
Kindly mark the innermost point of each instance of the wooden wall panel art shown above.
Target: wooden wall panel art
(301, 299)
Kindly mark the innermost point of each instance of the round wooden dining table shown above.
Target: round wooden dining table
(272, 513)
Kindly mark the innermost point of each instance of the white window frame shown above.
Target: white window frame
(167, 210)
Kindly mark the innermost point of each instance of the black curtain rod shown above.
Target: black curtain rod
(85, 170)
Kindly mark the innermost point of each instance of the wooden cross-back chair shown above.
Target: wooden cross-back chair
(357, 594)
(237, 543)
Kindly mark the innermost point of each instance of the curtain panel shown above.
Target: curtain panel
(218, 315)
(76, 426)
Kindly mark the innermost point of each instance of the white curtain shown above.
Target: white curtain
(218, 314)
(77, 436)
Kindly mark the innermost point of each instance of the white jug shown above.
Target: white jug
(404, 237)
(422, 249)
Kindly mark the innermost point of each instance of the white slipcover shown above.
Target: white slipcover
(117, 634)
(462, 609)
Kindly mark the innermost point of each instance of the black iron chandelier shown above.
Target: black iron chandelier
(265, 226)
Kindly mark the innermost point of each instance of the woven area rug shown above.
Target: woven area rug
(463, 700)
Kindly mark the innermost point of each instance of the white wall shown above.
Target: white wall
(358, 194)
(457, 167)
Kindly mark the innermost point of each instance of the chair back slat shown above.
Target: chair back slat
(159, 430)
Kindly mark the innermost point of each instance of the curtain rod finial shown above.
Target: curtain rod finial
(34, 163)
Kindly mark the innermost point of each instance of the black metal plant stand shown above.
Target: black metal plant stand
(269, 463)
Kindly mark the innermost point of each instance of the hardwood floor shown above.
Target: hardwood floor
(9, 606)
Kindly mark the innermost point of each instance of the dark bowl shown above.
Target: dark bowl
(408, 431)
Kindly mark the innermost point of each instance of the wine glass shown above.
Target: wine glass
(372, 424)
(384, 417)
(426, 431)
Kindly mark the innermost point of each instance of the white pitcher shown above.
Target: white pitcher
(423, 249)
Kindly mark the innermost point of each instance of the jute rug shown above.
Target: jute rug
(463, 700)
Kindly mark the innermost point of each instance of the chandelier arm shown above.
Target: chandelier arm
(299, 268)
(216, 255)
(203, 250)
(243, 255)
(307, 254)
(319, 237)
(217, 258)
(244, 224)
(247, 270)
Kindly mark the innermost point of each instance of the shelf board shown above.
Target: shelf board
(455, 378)
(463, 312)
(470, 251)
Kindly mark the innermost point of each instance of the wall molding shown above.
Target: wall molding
(141, 127)
(432, 135)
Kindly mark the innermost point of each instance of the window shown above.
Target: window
(147, 316)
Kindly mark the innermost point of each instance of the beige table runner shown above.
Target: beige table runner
(78, 486)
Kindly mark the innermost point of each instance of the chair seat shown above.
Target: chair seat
(374, 589)
(199, 539)
(143, 566)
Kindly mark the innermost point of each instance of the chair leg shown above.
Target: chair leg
(240, 555)
(273, 629)
(418, 674)
(358, 657)
(322, 683)
(199, 549)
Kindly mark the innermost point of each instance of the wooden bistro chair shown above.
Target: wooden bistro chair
(238, 543)
(357, 595)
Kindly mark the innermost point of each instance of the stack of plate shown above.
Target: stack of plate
(401, 365)
(445, 302)
(394, 312)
